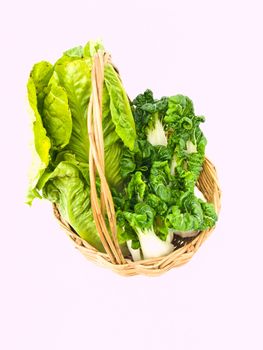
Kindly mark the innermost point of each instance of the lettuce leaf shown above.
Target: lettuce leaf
(91, 48)
(57, 116)
(113, 145)
(120, 109)
(67, 187)
(41, 74)
(41, 147)
(75, 77)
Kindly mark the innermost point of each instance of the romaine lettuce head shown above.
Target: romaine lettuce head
(58, 96)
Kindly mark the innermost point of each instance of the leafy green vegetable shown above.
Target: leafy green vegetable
(67, 188)
(160, 180)
(156, 203)
(113, 145)
(209, 215)
(136, 187)
(142, 221)
(75, 77)
(187, 216)
(91, 48)
(75, 52)
(168, 156)
(57, 116)
(41, 74)
(186, 138)
(59, 96)
(41, 144)
(127, 163)
(153, 148)
(120, 107)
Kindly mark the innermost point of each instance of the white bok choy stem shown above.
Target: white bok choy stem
(152, 246)
(156, 135)
(135, 253)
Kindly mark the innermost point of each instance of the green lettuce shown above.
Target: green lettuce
(67, 187)
(57, 116)
(75, 78)
(120, 109)
(41, 74)
(59, 96)
(41, 145)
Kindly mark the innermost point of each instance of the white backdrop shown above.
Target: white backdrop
(50, 296)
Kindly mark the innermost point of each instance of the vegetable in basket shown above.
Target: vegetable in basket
(154, 151)
(59, 96)
(160, 174)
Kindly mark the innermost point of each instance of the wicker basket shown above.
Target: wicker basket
(113, 258)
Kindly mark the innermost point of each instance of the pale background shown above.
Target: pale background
(50, 296)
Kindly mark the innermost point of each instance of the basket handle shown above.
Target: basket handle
(105, 206)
